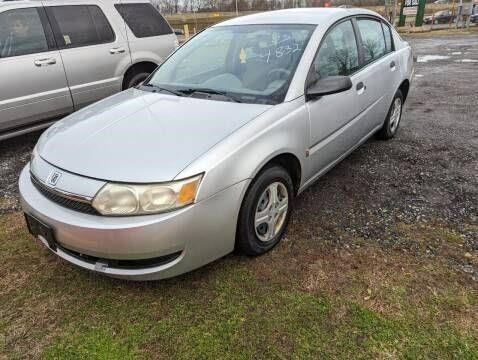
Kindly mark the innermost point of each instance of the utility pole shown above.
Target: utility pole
(387, 11)
(237, 10)
(390, 11)
(394, 12)
(459, 14)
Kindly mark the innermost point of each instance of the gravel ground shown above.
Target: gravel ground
(14, 154)
(428, 173)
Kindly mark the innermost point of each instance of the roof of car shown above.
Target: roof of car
(10, 2)
(5, 2)
(23, 2)
(314, 16)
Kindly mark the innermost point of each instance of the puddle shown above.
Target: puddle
(426, 58)
(456, 53)
(466, 61)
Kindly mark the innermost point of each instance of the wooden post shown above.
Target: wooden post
(186, 31)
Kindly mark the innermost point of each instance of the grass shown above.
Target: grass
(305, 299)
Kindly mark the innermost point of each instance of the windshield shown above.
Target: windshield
(243, 63)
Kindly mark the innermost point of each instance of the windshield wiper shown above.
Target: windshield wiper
(159, 88)
(211, 91)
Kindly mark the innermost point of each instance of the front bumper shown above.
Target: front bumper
(198, 234)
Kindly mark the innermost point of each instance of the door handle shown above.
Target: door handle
(392, 65)
(118, 50)
(45, 62)
(360, 88)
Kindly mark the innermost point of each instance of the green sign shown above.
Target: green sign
(412, 7)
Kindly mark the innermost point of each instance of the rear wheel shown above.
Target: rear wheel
(265, 211)
(135, 79)
(392, 122)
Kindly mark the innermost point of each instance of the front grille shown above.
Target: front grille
(124, 264)
(64, 201)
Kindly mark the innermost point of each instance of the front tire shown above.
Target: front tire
(392, 121)
(265, 211)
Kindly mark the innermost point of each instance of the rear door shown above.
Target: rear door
(149, 34)
(392, 62)
(33, 83)
(380, 65)
(94, 54)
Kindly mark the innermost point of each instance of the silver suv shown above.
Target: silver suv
(57, 56)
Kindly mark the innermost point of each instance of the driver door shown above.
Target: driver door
(335, 121)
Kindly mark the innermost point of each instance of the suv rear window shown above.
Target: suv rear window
(143, 20)
(80, 25)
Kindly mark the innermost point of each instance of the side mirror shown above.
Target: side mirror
(328, 85)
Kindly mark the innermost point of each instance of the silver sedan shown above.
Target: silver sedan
(208, 154)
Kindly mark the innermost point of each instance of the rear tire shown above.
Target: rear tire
(265, 211)
(135, 79)
(392, 121)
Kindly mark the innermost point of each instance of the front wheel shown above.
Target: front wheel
(392, 121)
(265, 211)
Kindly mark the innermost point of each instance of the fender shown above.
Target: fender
(255, 144)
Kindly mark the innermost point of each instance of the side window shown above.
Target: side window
(102, 26)
(388, 37)
(80, 25)
(338, 53)
(21, 33)
(372, 39)
(143, 20)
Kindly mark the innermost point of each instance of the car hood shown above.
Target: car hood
(141, 137)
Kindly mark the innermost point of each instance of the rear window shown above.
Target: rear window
(143, 20)
(373, 40)
(80, 25)
(388, 38)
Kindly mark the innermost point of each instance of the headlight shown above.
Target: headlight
(34, 154)
(34, 159)
(124, 199)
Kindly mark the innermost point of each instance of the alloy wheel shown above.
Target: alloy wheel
(396, 114)
(271, 211)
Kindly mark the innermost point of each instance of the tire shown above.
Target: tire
(255, 240)
(392, 122)
(135, 79)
